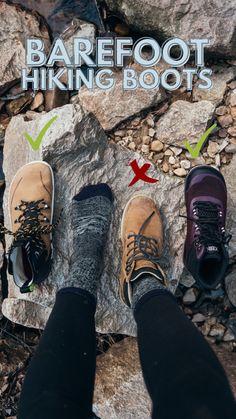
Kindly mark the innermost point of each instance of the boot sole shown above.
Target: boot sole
(53, 191)
(201, 169)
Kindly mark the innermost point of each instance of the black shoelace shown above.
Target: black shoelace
(31, 227)
(208, 224)
(143, 247)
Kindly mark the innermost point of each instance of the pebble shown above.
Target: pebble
(145, 148)
(232, 85)
(231, 148)
(199, 160)
(165, 167)
(120, 133)
(127, 140)
(205, 329)
(233, 112)
(168, 152)
(217, 330)
(132, 146)
(229, 336)
(146, 139)
(176, 150)
(223, 145)
(211, 321)
(157, 146)
(217, 160)
(225, 120)
(190, 296)
(37, 102)
(222, 133)
(151, 132)
(212, 148)
(185, 164)
(172, 160)
(198, 318)
(221, 110)
(232, 131)
(180, 172)
(159, 156)
(232, 99)
(135, 122)
(176, 165)
(150, 122)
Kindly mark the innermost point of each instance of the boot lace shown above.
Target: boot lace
(31, 227)
(143, 247)
(208, 225)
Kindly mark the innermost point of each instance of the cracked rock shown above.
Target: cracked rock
(190, 118)
(79, 153)
(118, 375)
(184, 20)
(24, 24)
(114, 106)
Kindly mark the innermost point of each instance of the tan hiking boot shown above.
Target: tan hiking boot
(142, 241)
(31, 199)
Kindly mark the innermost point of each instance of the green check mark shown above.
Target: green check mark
(35, 144)
(195, 151)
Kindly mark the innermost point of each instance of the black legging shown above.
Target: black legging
(183, 376)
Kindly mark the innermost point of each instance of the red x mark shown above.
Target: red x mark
(140, 173)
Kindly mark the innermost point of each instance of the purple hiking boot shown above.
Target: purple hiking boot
(205, 253)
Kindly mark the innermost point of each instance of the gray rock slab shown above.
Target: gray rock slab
(184, 121)
(79, 153)
(118, 376)
(116, 105)
(17, 24)
(184, 19)
(221, 75)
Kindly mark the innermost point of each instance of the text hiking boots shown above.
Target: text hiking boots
(205, 253)
(142, 242)
(31, 209)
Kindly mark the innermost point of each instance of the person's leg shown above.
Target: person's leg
(183, 376)
(60, 379)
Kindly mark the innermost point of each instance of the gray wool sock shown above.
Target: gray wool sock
(91, 217)
(142, 287)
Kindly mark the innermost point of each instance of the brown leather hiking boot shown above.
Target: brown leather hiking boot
(142, 241)
(31, 198)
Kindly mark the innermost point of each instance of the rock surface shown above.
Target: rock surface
(78, 151)
(24, 24)
(220, 77)
(184, 20)
(229, 174)
(114, 106)
(190, 118)
(78, 29)
(118, 377)
(230, 284)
